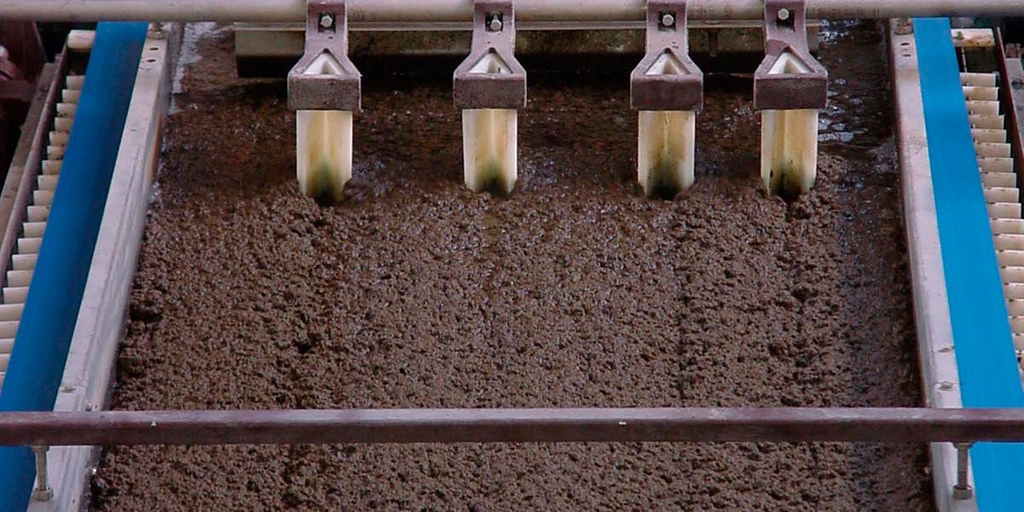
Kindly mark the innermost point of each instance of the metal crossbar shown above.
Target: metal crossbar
(886, 425)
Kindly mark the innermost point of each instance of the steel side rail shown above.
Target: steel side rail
(886, 425)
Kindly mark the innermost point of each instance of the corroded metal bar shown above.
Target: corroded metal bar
(374, 11)
(888, 425)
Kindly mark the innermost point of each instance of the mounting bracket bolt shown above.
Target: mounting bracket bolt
(42, 490)
(494, 23)
(962, 490)
(326, 20)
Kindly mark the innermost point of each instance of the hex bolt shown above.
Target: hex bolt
(668, 19)
(783, 14)
(962, 490)
(42, 490)
(155, 30)
(326, 20)
(494, 23)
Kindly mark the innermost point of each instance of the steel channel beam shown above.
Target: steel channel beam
(890, 425)
(390, 11)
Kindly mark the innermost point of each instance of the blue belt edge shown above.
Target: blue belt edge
(55, 296)
(981, 329)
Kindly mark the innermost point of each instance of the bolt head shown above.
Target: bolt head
(784, 14)
(494, 24)
(668, 19)
(945, 385)
(326, 20)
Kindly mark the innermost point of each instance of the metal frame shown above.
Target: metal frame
(509, 425)
(390, 11)
(937, 354)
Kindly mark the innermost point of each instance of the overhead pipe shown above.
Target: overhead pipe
(440, 11)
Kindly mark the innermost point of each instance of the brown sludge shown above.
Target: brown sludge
(575, 291)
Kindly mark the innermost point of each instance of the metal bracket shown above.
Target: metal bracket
(491, 77)
(325, 78)
(789, 78)
(666, 78)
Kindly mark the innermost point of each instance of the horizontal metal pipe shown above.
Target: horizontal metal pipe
(390, 11)
(511, 425)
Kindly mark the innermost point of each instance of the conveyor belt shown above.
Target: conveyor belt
(978, 313)
(1002, 197)
(51, 305)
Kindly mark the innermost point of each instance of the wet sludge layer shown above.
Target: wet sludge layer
(575, 291)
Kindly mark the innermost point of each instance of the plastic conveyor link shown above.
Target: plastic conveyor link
(1002, 197)
(26, 251)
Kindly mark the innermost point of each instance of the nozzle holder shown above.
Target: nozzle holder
(491, 77)
(666, 78)
(337, 85)
(777, 86)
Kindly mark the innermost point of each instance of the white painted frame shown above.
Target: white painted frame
(931, 303)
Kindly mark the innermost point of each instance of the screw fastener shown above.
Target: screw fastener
(668, 19)
(783, 14)
(494, 24)
(962, 490)
(42, 490)
(326, 20)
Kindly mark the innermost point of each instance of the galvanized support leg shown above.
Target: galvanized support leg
(324, 89)
(790, 86)
(489, 86)
(668, 90)
(42, 490)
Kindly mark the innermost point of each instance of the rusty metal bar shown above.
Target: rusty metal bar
(1011, 75)
(376, 11)
(888, 425)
